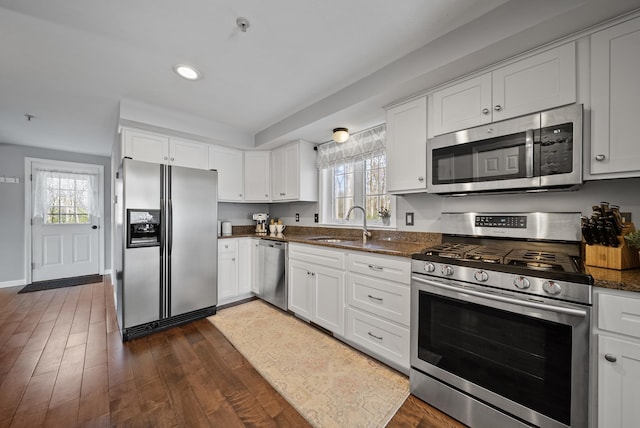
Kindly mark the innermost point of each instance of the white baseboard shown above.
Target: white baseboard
(15, 283)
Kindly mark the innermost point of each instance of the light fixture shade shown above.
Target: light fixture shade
(186, 71)
(340, 135)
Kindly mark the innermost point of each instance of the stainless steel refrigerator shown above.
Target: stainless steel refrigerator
(166, 261)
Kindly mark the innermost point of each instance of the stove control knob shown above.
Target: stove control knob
(429, 267)
(481, 276)
(551, 287)
(447, 270)
(521, 282)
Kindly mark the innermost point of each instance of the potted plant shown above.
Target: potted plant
(633, 239)
(385, 214)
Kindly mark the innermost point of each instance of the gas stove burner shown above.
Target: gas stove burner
(536, 265)
(449, 250)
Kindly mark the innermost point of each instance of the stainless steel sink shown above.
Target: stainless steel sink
(330, 239)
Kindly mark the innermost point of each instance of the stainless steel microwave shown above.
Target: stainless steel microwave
(534, 152)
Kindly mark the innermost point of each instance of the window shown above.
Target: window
(360, 183)
(68, 200)
(354, 173)
(62, 197)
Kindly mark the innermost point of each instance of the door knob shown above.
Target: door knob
(94, 227)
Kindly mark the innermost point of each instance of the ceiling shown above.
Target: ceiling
(301, 68)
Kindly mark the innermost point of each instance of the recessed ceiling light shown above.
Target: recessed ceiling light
(187, 72)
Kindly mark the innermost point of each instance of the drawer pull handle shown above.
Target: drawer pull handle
(374, 267)
(374, 336)
(610, 358)
(379, 299)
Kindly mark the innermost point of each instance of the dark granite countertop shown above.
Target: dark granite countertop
(404, 244)
(627, 280)
(393, 243)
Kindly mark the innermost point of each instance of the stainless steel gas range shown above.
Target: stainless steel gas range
(500, 321)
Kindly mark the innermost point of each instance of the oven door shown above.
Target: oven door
(526, 358)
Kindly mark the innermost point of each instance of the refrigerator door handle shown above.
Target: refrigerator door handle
(170, 226)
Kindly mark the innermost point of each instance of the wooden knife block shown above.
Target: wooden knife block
(620, 258)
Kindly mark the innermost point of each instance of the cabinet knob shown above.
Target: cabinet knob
(233, 259)
(172, 159)
(421, 179)
(240, 194)
(498, 107)
(600, 158)
(166, 157)
(610, 358)
(266, 196)
(485, 111)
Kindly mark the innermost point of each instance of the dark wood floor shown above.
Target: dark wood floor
(62, 364)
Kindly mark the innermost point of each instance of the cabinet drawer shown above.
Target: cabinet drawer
(317, 255)
(379, 336)
(619, 314)
(227, 245)
(391, 268)
(381, 297)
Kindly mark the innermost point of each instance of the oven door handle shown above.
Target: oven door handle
(506, 299)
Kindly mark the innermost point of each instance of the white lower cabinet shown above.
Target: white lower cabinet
(316, 286)
(618, 358)
(235, 260)
(378, 306)
(255, 261)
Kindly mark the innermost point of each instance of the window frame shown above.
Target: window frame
(327, 199)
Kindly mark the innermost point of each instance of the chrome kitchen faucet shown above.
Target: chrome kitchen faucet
(365, 231)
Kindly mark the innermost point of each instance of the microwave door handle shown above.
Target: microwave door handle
(528, 153)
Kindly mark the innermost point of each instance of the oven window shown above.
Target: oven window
(524, 359)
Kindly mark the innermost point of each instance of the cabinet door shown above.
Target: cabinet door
(229, 164)
(278, 175)
(145, 146)
(464, 105)
(407, 146)
(328, 299)
(537, 83)
(187, 153)
(255, 261)
(615, 67)
(257, 176)
(291, 172)
(227, 269)
(618, 382)
(300, 289)
(245, 265)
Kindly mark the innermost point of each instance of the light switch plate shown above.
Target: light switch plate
(408, 219)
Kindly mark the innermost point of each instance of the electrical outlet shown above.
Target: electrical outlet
(315, 218)
(297, 217)
(408, 219)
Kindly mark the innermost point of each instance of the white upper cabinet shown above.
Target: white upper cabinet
(257, 176)
(229, 164)
(150, 147)
(187, 153)
(536, 83)
(615, 67)
(145, 146)
(294, 175)
(407, 147)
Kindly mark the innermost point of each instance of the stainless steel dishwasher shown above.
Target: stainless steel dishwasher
(272, 271)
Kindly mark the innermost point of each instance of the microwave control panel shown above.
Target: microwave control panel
(503, 221)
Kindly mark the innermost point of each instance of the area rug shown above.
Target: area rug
(59, 283)
(328, 383)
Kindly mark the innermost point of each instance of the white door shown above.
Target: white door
(65, 220)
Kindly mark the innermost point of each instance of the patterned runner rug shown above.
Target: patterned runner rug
(329, 383)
